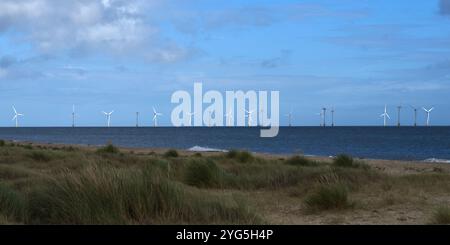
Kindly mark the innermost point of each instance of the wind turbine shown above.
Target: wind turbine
(289, 115)
(250, 119)
(399, 108)
(16, 116)
(321, 117)
(209, 118)
(137, 119)
(415, 115)
(190, 114)
(261, 118)
(73, 116)
(229, 117)
(155, 117)
(108, 117)
(332, 116)
(428, 114)
(385, 115)
(324, 110)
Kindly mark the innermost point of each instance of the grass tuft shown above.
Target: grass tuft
(171, 153)
(202, 173)
(12, 204)
(328, 197)
(109, 148)
(300, 161)
(441, 216)
(241, 156)
(40, 156)
(347, 161)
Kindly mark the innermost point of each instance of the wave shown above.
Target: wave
(205, 149)
(436, 160)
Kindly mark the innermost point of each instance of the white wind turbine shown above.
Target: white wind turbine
(250, 119)
(428, 114)
(289, 115)
(229, 117)
(108, 117)
(190, 115)
(155, 117)
(385, 115)
(73, 116)
(16, 116)
(321, 117)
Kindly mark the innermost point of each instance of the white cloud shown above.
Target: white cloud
(50, 25)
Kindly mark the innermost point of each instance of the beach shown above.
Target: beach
(235, 187)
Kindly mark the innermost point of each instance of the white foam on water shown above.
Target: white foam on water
(436, 160)
(205, 149)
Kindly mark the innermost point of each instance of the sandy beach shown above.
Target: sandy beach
(279, 189)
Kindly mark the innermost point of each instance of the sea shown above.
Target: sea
(431, 144)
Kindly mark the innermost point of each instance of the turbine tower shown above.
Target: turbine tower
(229, 118)
(289, 115)
(399, 108)
(155, 117)
(428, 114)
(250, 119)
(415, 115)
(16, 116)
(73, 116)
(332, 116)
(137, 119)
(385, 115)
(324, 113)
(190, 115)
(108, 117)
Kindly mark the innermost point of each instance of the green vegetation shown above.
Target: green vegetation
(109, 148)
(347, 161)
(300, 161)
(171, 153)
(441, 216)
(67, 185)
(328, 197)
(241, 156)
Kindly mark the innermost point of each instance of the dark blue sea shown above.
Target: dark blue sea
(404, 143)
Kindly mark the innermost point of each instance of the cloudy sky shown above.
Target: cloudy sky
(355, 55)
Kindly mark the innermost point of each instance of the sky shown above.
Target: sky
(128, 56)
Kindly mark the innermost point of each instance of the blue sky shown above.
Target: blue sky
(355, 55)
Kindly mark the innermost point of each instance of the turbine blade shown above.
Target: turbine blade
(154, 110)
(14, 110)
(388, 116)
(14, 118)
(424, 109)
(431, 109)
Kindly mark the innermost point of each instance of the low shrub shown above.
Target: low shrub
(109, 148)
(241, 156)
(171, 153)
(347, 161)
(300, 161)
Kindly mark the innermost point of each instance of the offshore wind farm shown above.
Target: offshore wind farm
(224, 112)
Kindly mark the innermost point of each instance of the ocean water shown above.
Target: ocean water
(404, 143)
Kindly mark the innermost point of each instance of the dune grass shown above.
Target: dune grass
(72, 185)
(328, 197)
(441, 216)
